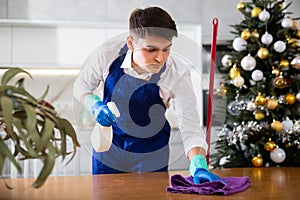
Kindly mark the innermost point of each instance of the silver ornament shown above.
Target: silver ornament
(264, 15)
(287, 124)
(287, 23)
(279, 46)
(226, 62)
(239, 44)
(296, 62)
(248, 63)
(298, 96)
(267, 38)
(277, 155)
(234, 108)
(238, 81)
(251, 106)
(257, 75)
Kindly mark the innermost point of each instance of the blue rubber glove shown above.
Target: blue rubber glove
(199, 170)
(101, 112)
(202, 175)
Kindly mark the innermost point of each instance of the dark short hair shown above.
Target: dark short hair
(152, 21)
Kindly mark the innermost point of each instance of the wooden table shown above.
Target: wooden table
(267, 183)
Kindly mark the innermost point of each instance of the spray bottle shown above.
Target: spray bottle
(101, 137)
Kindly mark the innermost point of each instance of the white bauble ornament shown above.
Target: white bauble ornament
(279, 46)
(257, 75)
(298, 96)
(226, 61)
(264, 16)
(277, 155)
(287, 124)
(251, 106)
(239, 44)
(248, 63)
(267, 38)
(238, 81)
(287, 23)
(296, 62)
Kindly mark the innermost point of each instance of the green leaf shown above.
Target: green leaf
(5, 151)
(66, 127)
(31, 123)
(49, 163)
(30, 151)
(45, 93)
(47, 132)
(9, 74)
(31, 119)
(70, 131)
(20, 83)
(23, 94)
(7, 110)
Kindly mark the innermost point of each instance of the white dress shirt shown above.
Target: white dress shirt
(175, 87)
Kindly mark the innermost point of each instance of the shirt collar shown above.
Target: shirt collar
(127, 66)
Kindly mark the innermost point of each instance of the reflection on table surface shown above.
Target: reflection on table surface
(267, 183)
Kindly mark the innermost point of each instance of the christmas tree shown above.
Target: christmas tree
(261, 86)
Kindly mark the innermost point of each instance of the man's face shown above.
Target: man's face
(150, 53)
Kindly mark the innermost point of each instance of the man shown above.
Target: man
(141, 77)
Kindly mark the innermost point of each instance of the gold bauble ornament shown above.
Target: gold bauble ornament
(255, 11)
(290, 98)
(288, 145)
(241, 5)
(298, 34)
(281, 6)
(221, 91)
(270, 145)
(276, 72)
(276, 126)
(284, 63)
(234, 72)
(259, 115)
(295, 25)
(272, 104)
(245, 34)
(260, 100)
(255, 33)
(263, 53)
(293, 42)
(257, 161)
(280, 82)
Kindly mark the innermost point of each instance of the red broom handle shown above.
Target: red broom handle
(211, 84)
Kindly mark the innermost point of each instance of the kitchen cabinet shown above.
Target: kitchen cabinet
(191, 11)
(60, 44)
(50, 44)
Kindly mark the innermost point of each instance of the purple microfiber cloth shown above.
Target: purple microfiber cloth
(180, 184)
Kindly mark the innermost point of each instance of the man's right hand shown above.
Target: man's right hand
(102, 114)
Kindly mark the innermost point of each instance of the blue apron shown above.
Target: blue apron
(141, 134)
